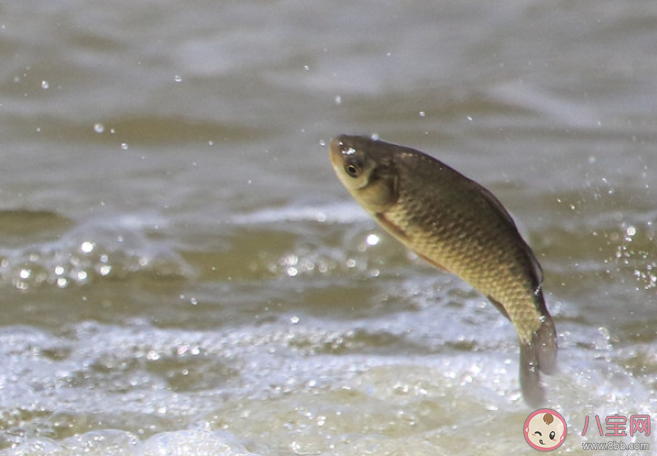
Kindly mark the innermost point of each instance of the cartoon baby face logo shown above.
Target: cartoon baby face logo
(545, 430)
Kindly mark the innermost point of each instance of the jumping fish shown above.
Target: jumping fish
(458, 226)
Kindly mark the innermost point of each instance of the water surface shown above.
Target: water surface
(182, 273)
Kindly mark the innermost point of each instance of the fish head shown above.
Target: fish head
(366, 169)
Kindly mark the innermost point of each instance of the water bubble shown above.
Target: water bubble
(338, 100)
(372, 239)
(99, 127)
(177, 78)
(124, 146)
(422, 114)
(87, 247)
(45, 85)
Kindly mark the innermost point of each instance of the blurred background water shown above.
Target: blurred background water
(182, 273)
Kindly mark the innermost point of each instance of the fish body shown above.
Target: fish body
(458, 226)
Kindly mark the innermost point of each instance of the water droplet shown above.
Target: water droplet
(422, 113)
(177, 78)
(99, 127)
(87, 247)
(338, 100)
(372, 239)
(124, 146)
(45, 85)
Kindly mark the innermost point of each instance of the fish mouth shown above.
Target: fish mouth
(541, 441)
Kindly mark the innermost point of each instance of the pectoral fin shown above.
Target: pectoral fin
(391, 227)
(432, 262)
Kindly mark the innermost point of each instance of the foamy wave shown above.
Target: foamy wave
(111, 442)
(346, 212)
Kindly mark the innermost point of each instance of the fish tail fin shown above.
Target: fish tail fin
(538, 354)
(530, 378)
(546, 340)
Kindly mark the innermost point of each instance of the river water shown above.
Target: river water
(182, 273)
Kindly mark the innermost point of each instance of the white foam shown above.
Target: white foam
(115, 443)
(347, 212)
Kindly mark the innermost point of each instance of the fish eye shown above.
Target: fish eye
(552, 434)
(539, 433)
(353, 169)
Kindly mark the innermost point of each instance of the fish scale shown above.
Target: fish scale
(471, 262)
(458, 226)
